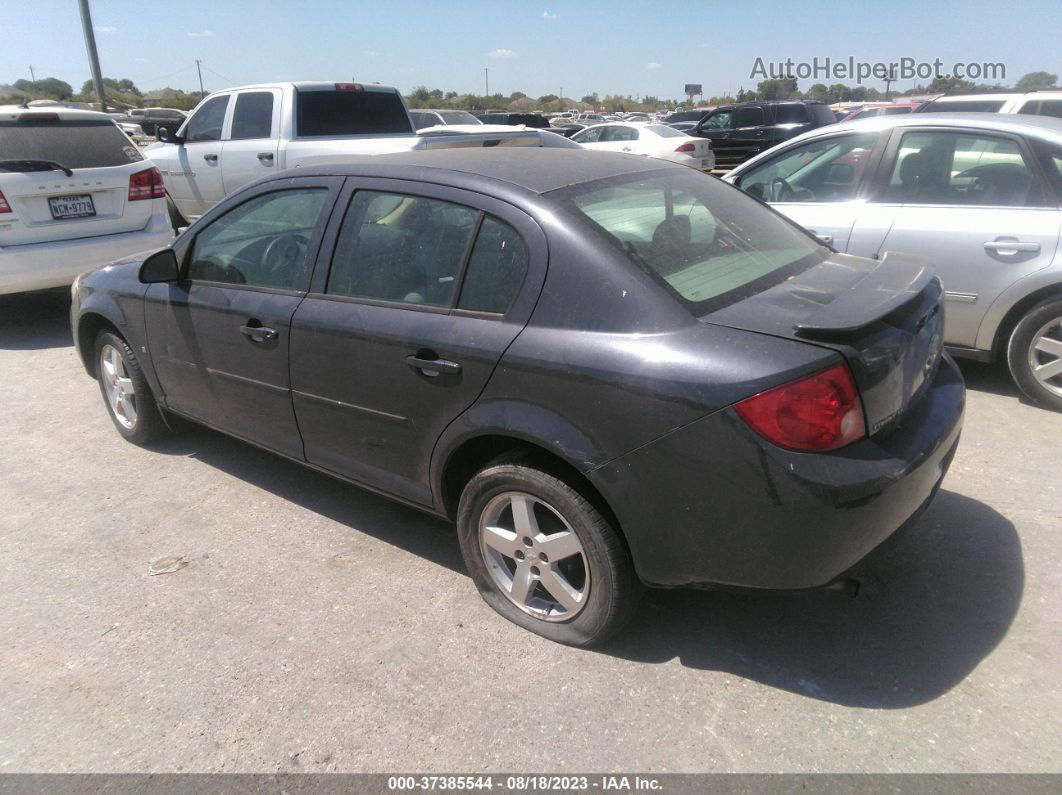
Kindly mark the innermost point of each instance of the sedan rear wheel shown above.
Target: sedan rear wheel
(126, 393)
(543, 556)
(1035, 354)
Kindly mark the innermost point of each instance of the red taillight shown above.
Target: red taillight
(687, 148)
(349, 87)
(4, 206)
(146, 184)
(817, 413)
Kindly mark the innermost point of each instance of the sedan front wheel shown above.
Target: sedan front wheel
(126, 393)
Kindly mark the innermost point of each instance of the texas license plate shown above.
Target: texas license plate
(71, 206)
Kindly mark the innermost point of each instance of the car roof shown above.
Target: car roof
(532, 169)
(975, 97)
(12, 112)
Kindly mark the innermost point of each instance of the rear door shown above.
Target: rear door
(410, 310)
(251, 146)
(975, 204)
(194, 182)
(220, 337)
(46, 204)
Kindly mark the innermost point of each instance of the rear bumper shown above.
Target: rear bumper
(39, 266)
(714, 503)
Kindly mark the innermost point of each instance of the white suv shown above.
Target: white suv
(75, 192)
(1036, 103)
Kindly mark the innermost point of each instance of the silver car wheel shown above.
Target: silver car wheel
(118, 386)
(1045, 356)
(534, 556)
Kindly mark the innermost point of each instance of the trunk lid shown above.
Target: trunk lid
(886, 319)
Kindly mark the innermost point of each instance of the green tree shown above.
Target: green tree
(819, 92)
(839, 92)
(1036, 80)
(777, 89)
(951, 85)
(46, 88)
(545, 99)
(591, 99)
(123, 86)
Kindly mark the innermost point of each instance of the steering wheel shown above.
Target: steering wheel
(781, 190)
(282, 251)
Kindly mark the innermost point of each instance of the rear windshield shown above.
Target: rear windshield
(974, 106)
(320, 113)
(709, 243)
(458, 117)
(89, 143)
(664, 131)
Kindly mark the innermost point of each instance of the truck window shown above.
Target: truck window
(253, 117)
(321, 113)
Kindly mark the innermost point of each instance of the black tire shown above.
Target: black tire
(177, 221)
(613, 588)
(1022, 340)
(148, 424)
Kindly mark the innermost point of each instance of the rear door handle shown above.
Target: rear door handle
(1009, 247)
(210, 158)
(265, 155)
(433, 367)
(258, 333)
(827, 239)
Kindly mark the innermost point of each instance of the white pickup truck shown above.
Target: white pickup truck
(238, 135)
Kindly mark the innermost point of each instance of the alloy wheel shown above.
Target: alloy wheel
(1045, 356)
(118, 386)
(534, 557)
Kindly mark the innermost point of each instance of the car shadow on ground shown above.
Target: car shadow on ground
(931, 606)
(35, 321)
(993, 378)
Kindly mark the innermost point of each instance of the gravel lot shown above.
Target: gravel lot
(321, 628)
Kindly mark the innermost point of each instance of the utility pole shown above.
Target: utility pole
(33, 77)
(888, 82)
(94, 58)
(201, 91)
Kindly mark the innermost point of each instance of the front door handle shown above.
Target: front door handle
(258, 333)
(1008, 247)
(626, 149)
(827, 239)
(210, 158)
(265, 156)
(433, 367)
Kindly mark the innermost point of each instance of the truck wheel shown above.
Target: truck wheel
(1034, 354)
(543, 556)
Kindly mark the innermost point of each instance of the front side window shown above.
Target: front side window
(824, 170)
(253, 117)
(961, 169)
(394, 247)
(206, 123)
(718, 121)
(262, 243)
(710, 244)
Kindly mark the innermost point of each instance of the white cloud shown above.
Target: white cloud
(105, 28)
(652, 66)
(501, 52)
(202, 34)
(548, 15)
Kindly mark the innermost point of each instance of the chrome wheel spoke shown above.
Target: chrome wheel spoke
(524, 515)
(559, 546)
(560, 589)
(1045, 371)
(523, 584)
(128, 408)
(125, 385)
(500, 539)
(1049, 345)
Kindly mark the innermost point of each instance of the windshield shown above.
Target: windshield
(458, 117)
(708, 242)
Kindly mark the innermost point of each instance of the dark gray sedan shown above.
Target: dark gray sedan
(609, 371)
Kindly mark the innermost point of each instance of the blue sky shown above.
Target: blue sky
(621, 46)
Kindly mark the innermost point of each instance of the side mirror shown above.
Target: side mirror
(167, 137)
(160, 267)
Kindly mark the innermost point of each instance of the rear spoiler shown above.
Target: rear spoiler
(896, 281)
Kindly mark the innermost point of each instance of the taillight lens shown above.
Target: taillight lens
(4, 206)
(819, 412)
(687, 148)
(146, 184)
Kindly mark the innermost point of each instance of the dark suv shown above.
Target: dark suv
(741, 131)
(536, 120)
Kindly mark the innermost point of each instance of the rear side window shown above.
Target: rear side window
(790, 114)
(1042, 107)
(92, 143)
(896, 111)
(822, 114)
(395, 247)
(207, 121)
(495, 270)
(253, 117)
(320, 113)
(973, 106)
(747, 117)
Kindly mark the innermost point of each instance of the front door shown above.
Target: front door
(219, 337)
(975, 205)
(426, 289)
